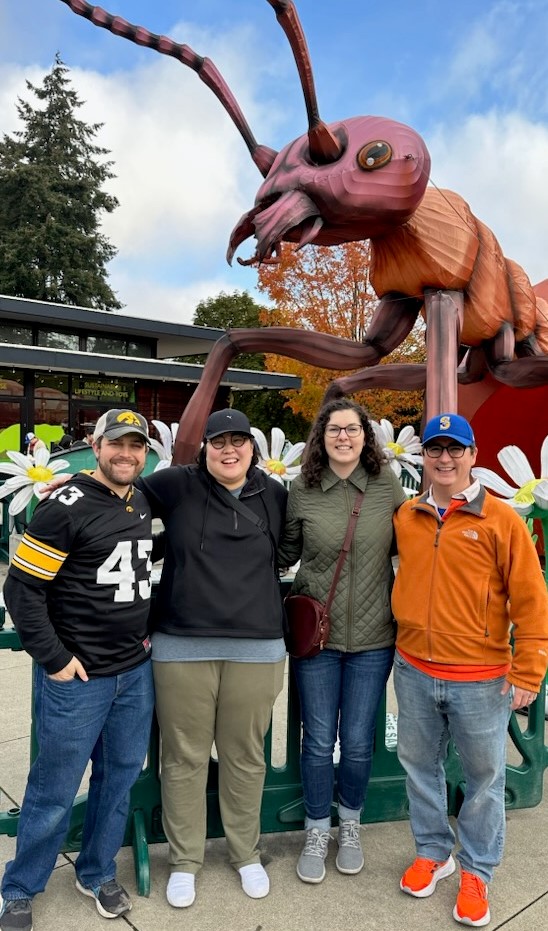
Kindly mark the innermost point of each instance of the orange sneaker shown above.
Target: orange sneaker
(472, 907)
(423, 875)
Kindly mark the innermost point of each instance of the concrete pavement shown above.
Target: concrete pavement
(370, 901)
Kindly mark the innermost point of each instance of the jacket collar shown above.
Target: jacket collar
(475, 507)
(256, 482)
(358, 478)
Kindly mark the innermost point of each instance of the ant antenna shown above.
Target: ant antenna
(263, 156)
(324, 145)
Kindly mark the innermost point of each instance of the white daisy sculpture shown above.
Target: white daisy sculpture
(277, 463)
(164, 449)
(530, 498)
(29, 476)
(403, 452)
(531, 493)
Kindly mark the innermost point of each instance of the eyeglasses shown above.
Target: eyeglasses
(434, 451)
(353, 429)
(233, 439)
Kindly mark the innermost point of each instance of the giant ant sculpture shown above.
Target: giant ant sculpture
(366, 178)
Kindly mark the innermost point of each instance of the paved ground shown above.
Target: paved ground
(370, 901)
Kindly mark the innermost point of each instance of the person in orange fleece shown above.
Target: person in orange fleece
(468, 571)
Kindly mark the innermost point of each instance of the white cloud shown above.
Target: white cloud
(184, 175)
(173, 303)
(12, 86)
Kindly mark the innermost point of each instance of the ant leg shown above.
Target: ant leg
(444, 313)
(473, 367)
(386, 332)
(399, 376)
(527, 372)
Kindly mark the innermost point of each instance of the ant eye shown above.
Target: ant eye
(374, 155)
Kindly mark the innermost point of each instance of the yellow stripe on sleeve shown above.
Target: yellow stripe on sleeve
(38, 559)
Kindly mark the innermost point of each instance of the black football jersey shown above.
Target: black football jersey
(79, 583)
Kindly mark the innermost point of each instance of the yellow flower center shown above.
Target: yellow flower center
(396, 448)
(525, 494)
(39, 473)
(274, 465)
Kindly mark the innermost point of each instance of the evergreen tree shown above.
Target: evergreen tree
(51, 200)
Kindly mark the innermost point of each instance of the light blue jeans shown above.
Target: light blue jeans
(475, 716)
(339, 694)
(108, 721)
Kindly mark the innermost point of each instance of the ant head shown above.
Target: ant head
(356, 179)
(375, 184)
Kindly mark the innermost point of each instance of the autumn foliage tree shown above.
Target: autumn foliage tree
(327, 289)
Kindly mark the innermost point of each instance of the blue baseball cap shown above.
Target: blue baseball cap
(451, 425)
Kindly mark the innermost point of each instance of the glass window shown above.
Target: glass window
(140, 349)
(15, 334)
(10, 429)
(49, 385)
(108, 345)
(11, 381)
(50, 398)
(119, 346)
(57, 340)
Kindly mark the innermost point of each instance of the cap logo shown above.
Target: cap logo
(445, 423)
(128, 417)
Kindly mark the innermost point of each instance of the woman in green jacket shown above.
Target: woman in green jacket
(340, 689)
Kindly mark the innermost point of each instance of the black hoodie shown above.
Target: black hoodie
(220, 574)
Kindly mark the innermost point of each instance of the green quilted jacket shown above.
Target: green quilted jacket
(317, 518)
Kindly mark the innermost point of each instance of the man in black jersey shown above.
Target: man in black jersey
(78, 591)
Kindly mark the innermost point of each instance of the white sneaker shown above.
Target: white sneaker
(255, 881)
(180, 890)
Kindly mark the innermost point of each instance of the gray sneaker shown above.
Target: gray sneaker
(15, 914)
(310, 867)
(111, 899)
(350, 856)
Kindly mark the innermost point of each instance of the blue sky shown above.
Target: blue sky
(471, 77)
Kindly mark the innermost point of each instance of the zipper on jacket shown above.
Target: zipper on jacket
(436, 547)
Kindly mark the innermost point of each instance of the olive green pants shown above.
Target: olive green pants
(198, 703)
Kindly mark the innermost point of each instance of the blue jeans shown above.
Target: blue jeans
(108, 721)
(475, 715)
(339, 692)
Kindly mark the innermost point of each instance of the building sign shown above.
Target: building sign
(104, 389)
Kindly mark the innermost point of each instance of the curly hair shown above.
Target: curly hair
(315, 456)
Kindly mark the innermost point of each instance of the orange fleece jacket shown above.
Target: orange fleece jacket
(462, 583)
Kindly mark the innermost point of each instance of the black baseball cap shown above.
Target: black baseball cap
(227, 421)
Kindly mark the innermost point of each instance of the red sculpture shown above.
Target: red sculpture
(366, 178)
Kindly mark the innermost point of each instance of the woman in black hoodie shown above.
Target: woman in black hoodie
(218, 650)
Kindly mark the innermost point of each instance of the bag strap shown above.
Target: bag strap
(250, 515)
(353, 520)
(242, 509)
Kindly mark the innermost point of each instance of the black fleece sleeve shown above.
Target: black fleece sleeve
(28, 610)
(163, 489)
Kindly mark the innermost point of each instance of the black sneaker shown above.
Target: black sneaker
(111, 899)
(15, 914)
